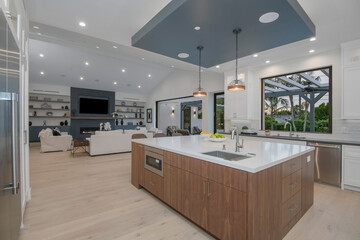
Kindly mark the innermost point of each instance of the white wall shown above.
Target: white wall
(344, 129)
(182, 83)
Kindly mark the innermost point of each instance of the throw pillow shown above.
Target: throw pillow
(56, 132)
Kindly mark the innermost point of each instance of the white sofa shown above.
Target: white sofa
(117, 141)
(50, 143)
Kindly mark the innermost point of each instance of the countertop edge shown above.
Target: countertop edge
(219, 161)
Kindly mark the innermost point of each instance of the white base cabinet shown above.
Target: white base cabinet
(351, 167)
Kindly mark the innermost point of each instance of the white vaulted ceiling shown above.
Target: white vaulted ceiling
(67, 46)
(111, 20)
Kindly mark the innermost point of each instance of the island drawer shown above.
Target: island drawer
(172, 159)
(291, 166)
(291, 185)
(154, 183)
(290, 209)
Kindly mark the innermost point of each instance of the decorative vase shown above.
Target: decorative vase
(35, 113)
(66, 107)
(30, 123)
(141, 123)
(61, 123)
(66, 122)
(122, 122)
(116, 122)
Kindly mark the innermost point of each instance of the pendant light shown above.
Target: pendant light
(236, 85)
(199, 92)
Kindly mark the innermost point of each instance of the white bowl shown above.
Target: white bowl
(217, 139)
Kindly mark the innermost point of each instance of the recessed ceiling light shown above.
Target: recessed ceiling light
(183, 55)
(143, 59)
(115, 83)
(172, 66)
(97, 47)
(36, 27)
(139, 86)
(197, 28)
(269, 17)
(311, 51)
(255, 55)
(123, 70)
(82, 24)
(38, 33)
(149, 75)
(312, 39)
(42, 73)
(217, 66)
(267, 61)
(87, 63)
(81, 78)
(114, 46)
(41, 55)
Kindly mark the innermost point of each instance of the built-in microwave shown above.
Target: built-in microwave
(154, 159)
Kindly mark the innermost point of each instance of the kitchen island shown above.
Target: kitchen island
(261, 196)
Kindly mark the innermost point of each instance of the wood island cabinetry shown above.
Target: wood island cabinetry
(230, 203)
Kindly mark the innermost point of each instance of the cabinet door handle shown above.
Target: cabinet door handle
(204, 187)
(293, 208)
(208, 189)
(293, 185)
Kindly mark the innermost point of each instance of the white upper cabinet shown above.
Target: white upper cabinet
(350, 53)
(236, 102)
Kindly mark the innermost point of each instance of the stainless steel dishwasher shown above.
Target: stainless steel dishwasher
(327, 163)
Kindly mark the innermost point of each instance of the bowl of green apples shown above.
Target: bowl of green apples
(217, 137)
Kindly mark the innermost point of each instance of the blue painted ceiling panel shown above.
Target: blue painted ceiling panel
(172, 30)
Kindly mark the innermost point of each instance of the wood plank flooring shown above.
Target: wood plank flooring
(92, 198)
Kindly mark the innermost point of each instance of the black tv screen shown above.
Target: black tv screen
(94, 106)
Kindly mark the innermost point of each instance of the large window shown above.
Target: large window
(301, 101)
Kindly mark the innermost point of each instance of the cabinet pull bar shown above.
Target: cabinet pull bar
(293, 208)
(209, 189)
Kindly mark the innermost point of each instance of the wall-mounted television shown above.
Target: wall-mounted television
(93, 105)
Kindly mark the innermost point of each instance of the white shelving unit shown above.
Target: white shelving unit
(50, 108)
(130, 111)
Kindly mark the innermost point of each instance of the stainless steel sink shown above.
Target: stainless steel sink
(228, 156)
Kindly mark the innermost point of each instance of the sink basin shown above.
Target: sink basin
(228, 156)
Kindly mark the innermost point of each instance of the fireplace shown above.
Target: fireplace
(88, 130)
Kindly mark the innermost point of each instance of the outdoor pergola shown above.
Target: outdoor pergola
(312, 92)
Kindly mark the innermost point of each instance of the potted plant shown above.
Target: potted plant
(245, 128)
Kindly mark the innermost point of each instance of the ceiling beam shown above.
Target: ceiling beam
(325, 71)
(272, 89)
(310, 79)
(279, 85)
(292, 82)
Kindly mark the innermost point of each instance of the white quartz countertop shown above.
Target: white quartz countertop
(267, 154)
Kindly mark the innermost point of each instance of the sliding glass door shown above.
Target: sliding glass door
(219, 112)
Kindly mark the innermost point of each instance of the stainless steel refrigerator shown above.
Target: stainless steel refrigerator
(10, 200)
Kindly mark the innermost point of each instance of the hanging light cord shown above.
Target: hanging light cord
(199, 67)
(236, 69)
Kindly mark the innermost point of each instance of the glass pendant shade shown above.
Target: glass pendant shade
(199, 92)
(236, 85)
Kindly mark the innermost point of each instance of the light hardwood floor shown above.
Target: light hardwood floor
(92, 198)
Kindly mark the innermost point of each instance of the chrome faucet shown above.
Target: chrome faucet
(237, 144)
(291, 133)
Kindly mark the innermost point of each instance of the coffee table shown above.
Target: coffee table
(79, 144)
